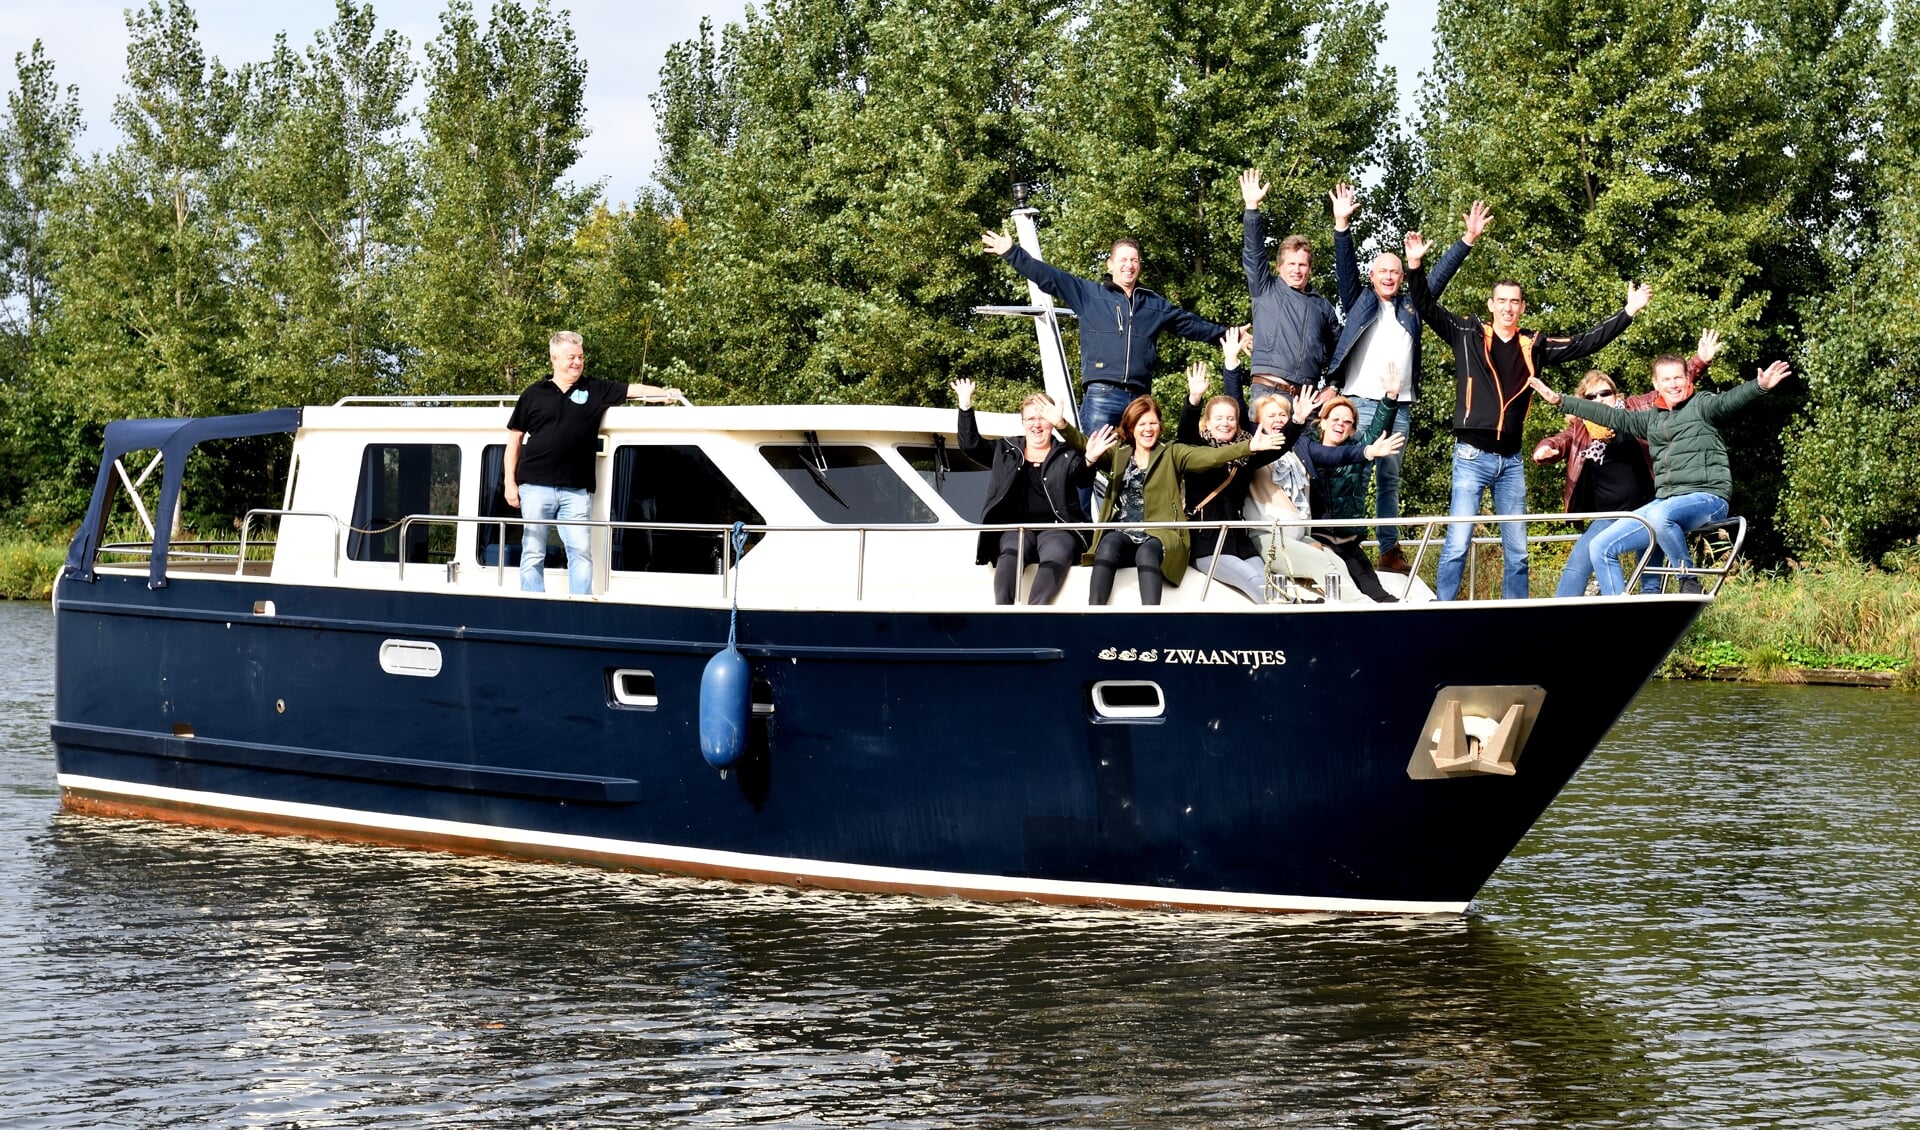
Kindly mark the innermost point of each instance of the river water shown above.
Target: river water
(1715, 926)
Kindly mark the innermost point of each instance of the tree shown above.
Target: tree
(36, 150)
(833, 162)
(1158, 106)
(322, 187)
(493, 228)
(1696, 146)
(1853, 482)
(616, 291)
(145, 244)
(36, 147)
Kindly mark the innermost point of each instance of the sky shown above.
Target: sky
(623, 43)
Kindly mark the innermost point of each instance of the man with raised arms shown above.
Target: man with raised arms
(1294, 329)
(1494, 363)
(1379, 347)
(1120, 324)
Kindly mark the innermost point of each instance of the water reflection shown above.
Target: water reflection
(1713, 928)
(348, 971)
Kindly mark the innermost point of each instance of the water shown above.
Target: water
(1714, 927)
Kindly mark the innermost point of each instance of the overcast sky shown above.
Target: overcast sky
(623, 44)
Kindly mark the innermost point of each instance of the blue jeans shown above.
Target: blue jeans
(1387, 468)
(1672, 518)
(1099, 406)
(536, 503)
(1579, 570)
(1475, 472)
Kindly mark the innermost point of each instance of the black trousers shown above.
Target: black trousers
(1049, 551)
(1117, 550)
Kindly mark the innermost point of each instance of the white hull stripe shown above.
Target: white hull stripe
(704, 861)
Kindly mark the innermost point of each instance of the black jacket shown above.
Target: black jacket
(1481, 404)
(1065, 474)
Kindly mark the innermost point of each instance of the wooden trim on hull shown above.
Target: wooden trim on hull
(94, 796)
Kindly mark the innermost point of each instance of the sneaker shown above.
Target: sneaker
(1393, 561)
(1691, 586)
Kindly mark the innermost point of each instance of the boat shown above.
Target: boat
(360, 664)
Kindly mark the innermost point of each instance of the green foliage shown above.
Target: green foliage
(833, 163)
(1854, 483)
(492, 229)
(1698, 146)
(321, 190)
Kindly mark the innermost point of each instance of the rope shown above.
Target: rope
(739, 536)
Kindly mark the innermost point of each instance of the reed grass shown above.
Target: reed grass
(27, 570)
(1827, 615)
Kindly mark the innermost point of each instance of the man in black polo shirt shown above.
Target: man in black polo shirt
(551, 476)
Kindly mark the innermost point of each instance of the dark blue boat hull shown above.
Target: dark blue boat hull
(931, 751)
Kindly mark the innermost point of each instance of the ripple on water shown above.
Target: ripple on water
(1712, 928)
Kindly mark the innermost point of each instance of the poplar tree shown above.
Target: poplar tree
(834, 162)
(322, 190)
(36, 151)
(145, 243)
(36, 148)
(1157, 107)
(493, 228)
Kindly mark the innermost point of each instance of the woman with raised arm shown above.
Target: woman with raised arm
(1220, 494)
(1691, 475)
(1035, 480)
(1145, 481)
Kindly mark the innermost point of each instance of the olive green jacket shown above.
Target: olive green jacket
(1169, 463)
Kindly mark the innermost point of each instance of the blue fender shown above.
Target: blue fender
(726, 702)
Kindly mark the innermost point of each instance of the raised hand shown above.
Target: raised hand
(996, 242)
(1638, 295)
(1265, 441)
(1199, 375)
(963, 388)
(1389, 444)
(1051, 413)
(1477, 217)
(1709, 346)
(1773, 374)
(1252, 189)
(1391, 381)
(1239, 340)
(1344, 205)
(1545, 390)
(1417, 246)
(1101, 442)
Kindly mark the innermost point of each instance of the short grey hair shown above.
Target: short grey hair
(566, 337)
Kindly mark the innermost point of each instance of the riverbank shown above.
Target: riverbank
(1834, 623)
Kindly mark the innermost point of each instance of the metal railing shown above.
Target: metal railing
(1431, 534)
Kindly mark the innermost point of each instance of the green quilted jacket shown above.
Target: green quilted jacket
(1689, 457)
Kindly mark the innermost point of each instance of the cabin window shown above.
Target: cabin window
(847, 484)
(493, 504)
(398, 479)
(672, 483)
(953, 475)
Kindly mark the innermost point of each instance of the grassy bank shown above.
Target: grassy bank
(1848, 617)
(27, 570)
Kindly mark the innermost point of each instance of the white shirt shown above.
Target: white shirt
(1385, 342)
